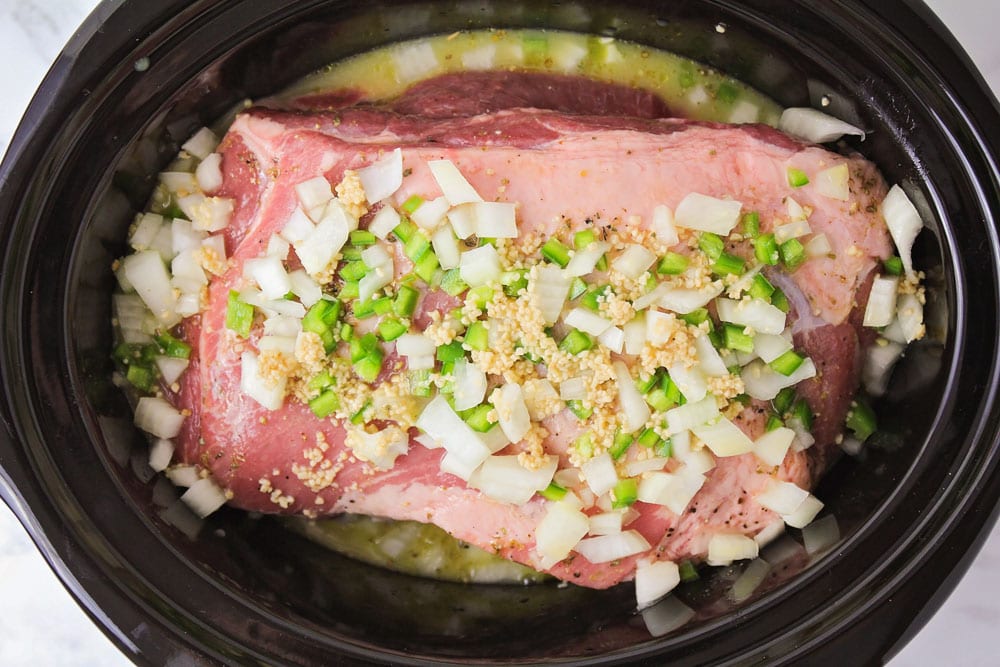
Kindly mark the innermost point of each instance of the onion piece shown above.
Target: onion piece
(254, 385)
(879, 361)
(635, 334)
(660, 326)
(756, 313)
(147, 226)
(600, 474)
(633, 406)
(551, 287)
(269, 274)
(414, 61)
(763, 383)
(724, 438)
(463, 220)
(666, 616)
(651, 297)
(815, 126)
(708, 214)
(456, 189)
(382, 178)
(584, 261)
(386, 220)
(463, 444)
(699, 461)
(709, 361)
(820, 535)
(375, 280)
(574, 388)
(156, 416)
(770, 346)
(480, 58)
(304, 287)
(277, 247)
(587, 320)
(178, 515)
(724, 548)
(314, 193)
(613, 338)
(148, 276)
(204, 497)
(558, 532)
(183, 236)
(496, 219)
(430, 214)
(298, 227)
(188, 276)
(201, 144)
(663, 226)
(209, 173)
(171, 368)
(691, 415)
(470, 385)
(654, 580)
(881, 306)
(606, 523)
(503, 478)
(606, 548)
(480, 266)
(683, 300)
(805, 513)
(751, 579)
(772, 447)
(318, 248)
(782, 497)
(691, 381)
(792, 230)
(904, 224)
(638, 467)
(835, 182)
(633, 261)
(160, 454)
(183, 475)
(910, 313)
(415, 345)
(420, 362)
(512, 412)
(540, 397)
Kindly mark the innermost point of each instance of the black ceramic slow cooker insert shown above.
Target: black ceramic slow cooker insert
(139, 77)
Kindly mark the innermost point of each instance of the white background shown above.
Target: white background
(41, 625)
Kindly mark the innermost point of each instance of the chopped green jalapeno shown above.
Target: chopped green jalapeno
(672, 264)
(621, 444)
(787, 363)
(793, 253)
(728, 264)
(405, 303)
(734, 338)
(477, 336)
(861, 420)
(390, 329)
(239, 315)
(761, 288)
(412, 203)
(766, 249)
(797, 178)
(325, 404)
(556, 252)
(576, 342)
(625, 493)
(751, 225)
(712, 245)
(553, 492)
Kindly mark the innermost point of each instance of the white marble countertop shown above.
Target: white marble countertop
(40, 623)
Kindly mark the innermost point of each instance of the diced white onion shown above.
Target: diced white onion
(480, 58)
(539, 396)
(633, 261)
(744, 111)
(709, 361)
(480, 266)
(503, 478)
(414, 61)
(699, 461)
(904, 224)
(386, 220)
(637, 467)
(666, 616)
(188, 276)
(805, 513)
(415, 345)
(763, 383)
(380, 449)
(815, 126)
(724, 548)
(512, 412)
(660, 326)
(383, 177)
(156, 416)
(204, 497)
(794, 210)
(635, 334)
(550, 290)
(691, 415)
(881, 306)
(683, 300)
(149, 277)
(663, 226)
(910, 313)
(757, 314)
(633, 406)
(574, 388)
(209, 173)
(653, 580)
(318, 247)
(446, 247)
(707, 214)
(724, 438)
(496, 219)
(430, 214)
(606, 548)
(269, 274)
(160, 454)
(183, 475)
(751, 579)
(277, 247)
(558, 532)
(769, 346)
(184, 236)
(587, 320)
(420, 362)
(171, 368)
(463, 220)
(201, 144)
(164, 242)
(600, 474)
(654, 296)
(147, 226)
(773, 445)
(314, 193)
(457, 190)
(792, 230)
(879, 361)
(304, 287)
(691, 381)
(375, 256)
(820, 535)
(298, 227)
(782, 497)
(770, 533)
(834, 182)
(440, 422)
(613, 338)
(606, 523)
(584, 261)
(470, 385)
(182, 518)
(254, 385)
